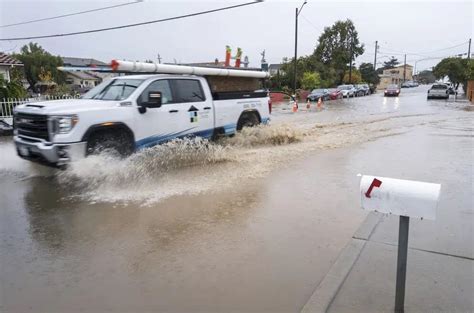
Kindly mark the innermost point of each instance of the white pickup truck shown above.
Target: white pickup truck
(133, 112)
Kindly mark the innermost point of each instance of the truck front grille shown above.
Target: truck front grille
(32, 125)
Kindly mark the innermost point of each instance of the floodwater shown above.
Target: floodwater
(248, 224)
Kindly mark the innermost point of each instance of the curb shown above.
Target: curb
(323, 296)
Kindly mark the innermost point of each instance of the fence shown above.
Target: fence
(7, 105)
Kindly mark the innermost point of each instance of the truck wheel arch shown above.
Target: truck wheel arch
(108, 126)
(246, 113)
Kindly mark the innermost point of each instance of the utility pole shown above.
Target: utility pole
(469, 50)
(405, 68)
(350, 63)
(375, 58)
(295, 61)
(296, 46)
(159, 58)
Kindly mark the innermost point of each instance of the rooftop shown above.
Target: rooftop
(82, 62)
(6, 59)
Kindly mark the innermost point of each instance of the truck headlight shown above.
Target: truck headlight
(64, 124)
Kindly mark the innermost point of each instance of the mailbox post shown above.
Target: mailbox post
(406, 199)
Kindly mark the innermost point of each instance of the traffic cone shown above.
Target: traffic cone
(308, 105)
(320, 103)
(295, 107)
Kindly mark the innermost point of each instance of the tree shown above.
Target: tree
(335, 45)
(426, 77)
(12, 89)
(37, 62)
(456, 69)
(310, 80)
(390, 63)
(355, 77)
(368, 73)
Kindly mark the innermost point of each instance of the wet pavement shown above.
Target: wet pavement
(250, 224)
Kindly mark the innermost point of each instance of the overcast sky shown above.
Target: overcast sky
(422, 27)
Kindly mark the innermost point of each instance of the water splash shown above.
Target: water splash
(266, 135)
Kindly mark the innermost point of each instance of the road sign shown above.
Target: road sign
(407, 199)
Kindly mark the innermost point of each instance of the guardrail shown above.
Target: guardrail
(7, 105)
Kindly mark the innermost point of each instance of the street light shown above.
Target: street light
(296, 45)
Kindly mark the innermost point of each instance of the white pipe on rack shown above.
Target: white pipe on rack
(131, 66)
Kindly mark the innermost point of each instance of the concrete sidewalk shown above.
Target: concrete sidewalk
(440, 269)
(363, 277)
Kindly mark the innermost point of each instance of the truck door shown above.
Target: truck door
(199, 111)
(158, 125)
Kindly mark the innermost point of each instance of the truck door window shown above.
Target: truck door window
(162, 85)
(188, 90)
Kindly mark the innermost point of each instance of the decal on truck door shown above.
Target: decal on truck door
(193, 116)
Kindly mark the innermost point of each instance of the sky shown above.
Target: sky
(426, 30)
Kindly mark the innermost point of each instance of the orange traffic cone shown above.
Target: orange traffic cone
(295, 107)
(320, 103)
(308, 105)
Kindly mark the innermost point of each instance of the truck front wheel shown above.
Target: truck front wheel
(248, 119)
(116, 142)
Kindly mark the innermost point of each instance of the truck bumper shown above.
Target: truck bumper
(55, 155)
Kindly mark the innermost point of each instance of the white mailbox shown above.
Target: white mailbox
(405, 198)
(399, 197)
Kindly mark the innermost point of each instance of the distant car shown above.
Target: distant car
(391, 90)
(451, 90)
(347, 90)
(317, 94)
(415, 84)
(335, 94)
(439, 91)
(363, 90)
(406, 85)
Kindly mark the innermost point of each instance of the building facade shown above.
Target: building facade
(395, 76)
(7, 63)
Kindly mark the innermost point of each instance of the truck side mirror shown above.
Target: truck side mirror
(154, 99)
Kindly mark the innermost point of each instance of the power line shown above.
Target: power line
(310, 23)
(423, 54)
(70, 14)
(132, 25)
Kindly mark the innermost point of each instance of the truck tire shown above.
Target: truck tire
(248, 119)
(117, 142)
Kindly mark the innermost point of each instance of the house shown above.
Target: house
(84, 80)
(81, 79)
(275, 69)
(396, 75)
(7, 63)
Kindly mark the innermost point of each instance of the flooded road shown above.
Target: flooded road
(248, 224)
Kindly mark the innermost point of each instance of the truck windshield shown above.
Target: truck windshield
(117, 89)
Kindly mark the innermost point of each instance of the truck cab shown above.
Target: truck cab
(133, 112)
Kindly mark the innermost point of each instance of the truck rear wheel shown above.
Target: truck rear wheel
(248, 119)
(115, 142)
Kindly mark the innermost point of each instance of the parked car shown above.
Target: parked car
(406, 85)
(363, 90)
(347, 90)
(391, 90)
(451, 90)
(335, 94)
(317, 94)
(439, 91)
